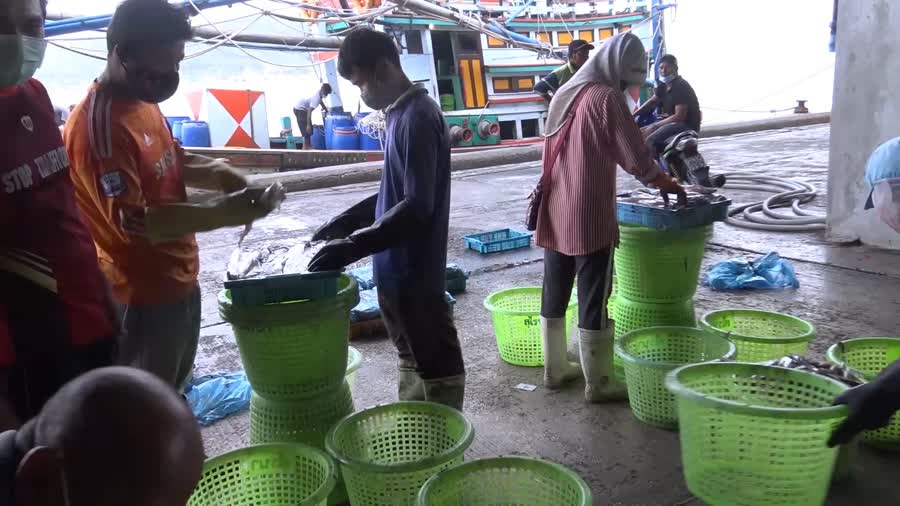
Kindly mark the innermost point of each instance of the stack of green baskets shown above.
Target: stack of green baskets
(760, 335)
(388, 452)
(295, 355)
(656, 279)
(755, 435)
(869, 356)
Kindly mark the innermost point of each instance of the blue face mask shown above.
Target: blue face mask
(667, 79)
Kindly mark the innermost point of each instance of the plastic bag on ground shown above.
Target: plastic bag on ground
(768, 272)
(218, 396)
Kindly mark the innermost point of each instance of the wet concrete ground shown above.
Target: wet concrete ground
(846, 291)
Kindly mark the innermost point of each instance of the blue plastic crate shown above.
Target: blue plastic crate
(629, 213)
(283, 288)
(498, 240)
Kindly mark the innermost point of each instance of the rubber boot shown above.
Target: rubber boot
(557, 368)
(448, 391)
(410, 386)
(600, 384)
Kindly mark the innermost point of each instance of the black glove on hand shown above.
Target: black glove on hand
(336, 255)
(359, 216)
(871, 405)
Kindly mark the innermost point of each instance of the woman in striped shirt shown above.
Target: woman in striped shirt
(589, 131)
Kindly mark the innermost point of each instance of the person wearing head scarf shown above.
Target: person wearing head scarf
(589, 131)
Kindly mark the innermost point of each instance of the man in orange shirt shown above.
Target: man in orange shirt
(130, 178)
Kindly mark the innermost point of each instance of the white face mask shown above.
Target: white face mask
(20, 57)
(886, 198)
(667, 79)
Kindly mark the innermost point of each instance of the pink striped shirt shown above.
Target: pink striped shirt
(578, 213)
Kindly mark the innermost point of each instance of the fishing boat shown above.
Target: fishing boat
(479, 59)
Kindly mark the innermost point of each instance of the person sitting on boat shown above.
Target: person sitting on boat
(675, 101)
(404, 226)
(304, 109)
(579, 51)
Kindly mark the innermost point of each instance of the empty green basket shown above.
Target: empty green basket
(306, 421)
(869, 356)
(506, 480)
(755, 435)
(649, 354)
(760, 335)
(388, 452)
(659, 266)
(631, 315)
(516, 314)
(270, 475)
(294, 350)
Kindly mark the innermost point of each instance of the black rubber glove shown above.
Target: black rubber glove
(395, 227)
(359, 216)
(871, 405)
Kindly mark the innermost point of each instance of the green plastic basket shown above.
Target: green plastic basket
(506, 480)
(760, 335)
(354, 362)
(294, 350)
(307, 421)
(630, 315)
(755, 435)
(659, 266)
(869, 356)
(649, 354)
(516, 314)
(271, 475)
(388, 452)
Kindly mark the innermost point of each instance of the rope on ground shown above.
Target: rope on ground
(788, 193)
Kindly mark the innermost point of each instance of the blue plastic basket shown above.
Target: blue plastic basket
(498, 240)
(629, 213)
(283, 288)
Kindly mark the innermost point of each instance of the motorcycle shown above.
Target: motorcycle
(681, 158)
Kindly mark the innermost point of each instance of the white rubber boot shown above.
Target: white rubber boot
(447, 391)
(600, 384)
(557, 368)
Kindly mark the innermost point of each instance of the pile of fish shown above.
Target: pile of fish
(272, 260)
(697, 196)
(845, 375)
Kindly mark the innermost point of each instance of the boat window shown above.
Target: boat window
(606, 33)
(468, 43)
(414, 42)
(544, 37)
(563, 38)
(586, 35)
(530, 128)
(502, 85)
(494, 42)
(507, 130)
(516, 84)
(624, 28)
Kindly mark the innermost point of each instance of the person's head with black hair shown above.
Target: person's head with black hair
(145, 40)
(668, 68)
(22, 43)
(370, 60)
(325, 90)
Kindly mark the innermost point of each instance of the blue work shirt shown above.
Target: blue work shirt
(416, 169)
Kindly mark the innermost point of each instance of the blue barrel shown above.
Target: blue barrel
(367, 143)
(318, 137)
(178, 128)
(171, 120)
(359, 116)
(345, 138)
(195, 134)
(332, 121)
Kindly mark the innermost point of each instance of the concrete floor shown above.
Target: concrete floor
(846, 291)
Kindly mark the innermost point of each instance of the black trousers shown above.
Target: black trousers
(300, 114)
(657, 140)
(423, 332)
(594, 283)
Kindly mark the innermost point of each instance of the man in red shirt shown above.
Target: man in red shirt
(130, 178)
(57, 319)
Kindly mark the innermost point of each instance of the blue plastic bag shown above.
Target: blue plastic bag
(768, 272)
(218, 396)
(368, 308)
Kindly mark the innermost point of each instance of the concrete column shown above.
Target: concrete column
(865, 113)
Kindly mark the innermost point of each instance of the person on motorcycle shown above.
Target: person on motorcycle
(579, 51)
(676, 103)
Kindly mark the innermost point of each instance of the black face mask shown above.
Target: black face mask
(152, 87)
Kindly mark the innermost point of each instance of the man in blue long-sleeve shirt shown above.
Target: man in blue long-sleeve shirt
(405, 225)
